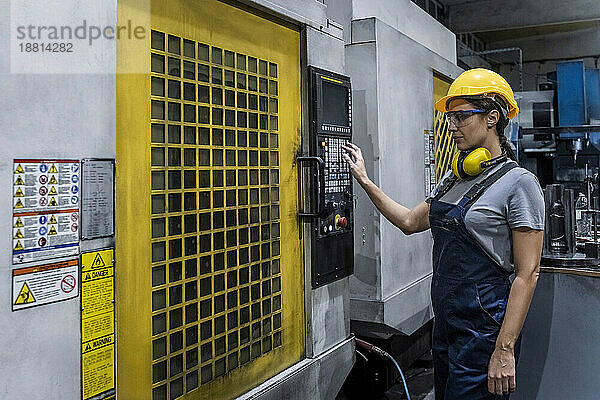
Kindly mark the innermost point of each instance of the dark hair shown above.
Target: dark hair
(497, 104)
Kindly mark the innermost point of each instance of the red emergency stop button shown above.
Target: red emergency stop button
(340, 222)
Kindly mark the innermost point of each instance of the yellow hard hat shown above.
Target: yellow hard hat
(480, 82)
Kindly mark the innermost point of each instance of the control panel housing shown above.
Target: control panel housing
(333, 220)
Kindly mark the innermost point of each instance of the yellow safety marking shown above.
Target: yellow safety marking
(19, 223)
(53, 169)
(53, 190)
(19, 204)
(19, 181)
(97, 259)
(52, 220)
(101, 273)
(19, 246)
(53, 180)
(52, 202)
(97, 343)
(331, 79)
(19, 234)
(19, 193)
(19, 169)
(444, 146)
(52, 231)
(25, 296)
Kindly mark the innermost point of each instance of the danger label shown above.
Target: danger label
(43, 284)
(98, 274)
(97, 325)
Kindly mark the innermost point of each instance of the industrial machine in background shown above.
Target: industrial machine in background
(559, 141)
(330, 114)
(560, 129)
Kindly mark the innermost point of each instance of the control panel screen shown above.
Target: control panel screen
(335, 101)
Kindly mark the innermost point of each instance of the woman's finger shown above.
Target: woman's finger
(491, 385)
(349, 160)
(505, 385)
(351, 151)
(512, 383)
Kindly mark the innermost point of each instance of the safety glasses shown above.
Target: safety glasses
(461, 118)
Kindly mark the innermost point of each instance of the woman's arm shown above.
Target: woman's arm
(409, 221)
(527, 249)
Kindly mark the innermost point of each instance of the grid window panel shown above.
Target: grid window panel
(216, 286)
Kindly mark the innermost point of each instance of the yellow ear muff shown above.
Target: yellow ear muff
(469, 163)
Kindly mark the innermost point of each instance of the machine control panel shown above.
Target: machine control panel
(332, 217)
(338, 187)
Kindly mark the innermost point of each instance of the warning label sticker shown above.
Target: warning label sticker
(43, 284)
(97, 325)
(45, 209)
(45, 234)
(98, 375)
(45, 184)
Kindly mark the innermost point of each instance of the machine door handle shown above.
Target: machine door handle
(319, 185)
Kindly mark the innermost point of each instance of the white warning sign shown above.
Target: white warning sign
(45, 234)
(45, 185)
(43, 284)
(45, 209)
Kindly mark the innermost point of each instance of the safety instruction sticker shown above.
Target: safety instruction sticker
(45, 234)
(45, 184)
(43, 284)
(97, 325)
(45, 209)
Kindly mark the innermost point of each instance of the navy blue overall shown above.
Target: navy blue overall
(469, 293)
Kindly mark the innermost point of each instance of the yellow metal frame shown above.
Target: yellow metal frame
(444, 145)
(230, 28)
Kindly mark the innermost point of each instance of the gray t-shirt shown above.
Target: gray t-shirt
(515, 200)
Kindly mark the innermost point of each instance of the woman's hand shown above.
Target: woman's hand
(355, 161)
(501, 372)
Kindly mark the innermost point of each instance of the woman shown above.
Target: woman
(487, 222)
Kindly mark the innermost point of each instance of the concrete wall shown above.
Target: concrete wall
(47, 116)
(393, 83)
(403, 15)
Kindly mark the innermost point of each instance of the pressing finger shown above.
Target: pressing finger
(351, 151)
(512, 383)
(348, 159)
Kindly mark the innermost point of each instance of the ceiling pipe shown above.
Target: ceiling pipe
(503, 50)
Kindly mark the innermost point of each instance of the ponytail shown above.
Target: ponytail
(505, 145)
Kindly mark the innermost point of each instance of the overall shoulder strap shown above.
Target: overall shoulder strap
(480, 187)
(447, 186)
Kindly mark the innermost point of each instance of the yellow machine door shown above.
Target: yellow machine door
(444, 145)
(209, 263)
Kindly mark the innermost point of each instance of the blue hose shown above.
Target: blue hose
(401, 374)
(382, 353)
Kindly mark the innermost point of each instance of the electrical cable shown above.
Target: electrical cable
(374, 349)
